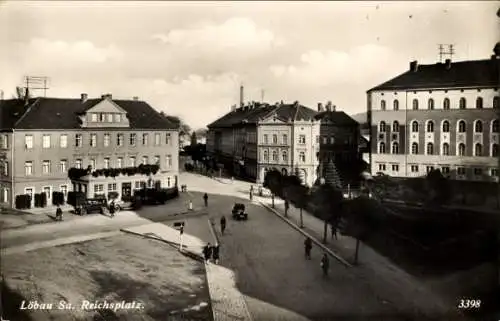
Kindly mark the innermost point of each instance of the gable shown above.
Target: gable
(273, 119)
(106, 106)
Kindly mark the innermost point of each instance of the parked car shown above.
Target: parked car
(92, 205)
(238, 212)
(120, 204)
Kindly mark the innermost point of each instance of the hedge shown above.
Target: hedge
(23, 201)
(77, 173)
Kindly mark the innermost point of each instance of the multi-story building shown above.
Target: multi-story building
(255, 138)
(42, 138)
(443, 115)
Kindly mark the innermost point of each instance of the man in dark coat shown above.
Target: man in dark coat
(112, 209)
(207, 252)
(205, 198)
(222, 224)
(59, 213)
(215, 253)
(307, 248)
(325, 264)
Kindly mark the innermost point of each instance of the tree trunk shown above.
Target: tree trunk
(325, 231)
(301, 220)
(356, 253)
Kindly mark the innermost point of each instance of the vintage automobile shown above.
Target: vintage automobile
(238, 212)
(92, 205)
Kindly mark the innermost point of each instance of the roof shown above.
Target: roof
(62, 113)
(473, 73)
(254, 114)
(338, 118)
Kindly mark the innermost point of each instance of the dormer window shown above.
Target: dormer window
(110, 118)
(94, 117)
(102, 117)
(118, 118)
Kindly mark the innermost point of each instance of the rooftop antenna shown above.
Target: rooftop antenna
(36, 82)
(443, 51)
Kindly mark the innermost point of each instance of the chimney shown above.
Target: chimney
(83, 97)
(329, 106)
(447, 63)
(136, 98)
(414, 66)
(296, 103)
(334, 108)
(242, 97)
(320, 107)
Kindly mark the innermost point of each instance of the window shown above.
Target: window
(396, 104)
(478, 150)
(284, 156)
(395, 167)
(63, 141)
(430, 149)
(462, 127)
(156, 160)
(168, 160)
(430, 104)
(168, 181)
(157, 139)
(415, 104)
(107, 140)
(395, 126)
(118, 118)
(28, 141)
(275, 156)
(64, 189)
(461, 149)
(496, 102)
(93, 140)
(46, 141)
(47, 191)
(132, 139)
(479, 103)
(430, 126)
(111, 187)
(461, 171)
(28, 168)
(478, 171)
(381, 167)
(145, 160)
(93, 164)
(102, 117)
(382, 105)
(414, 148)
(325, 139)
(110, 118)
(93, 117)
(264, 138)
(78, 140)
(446, 149)
(45, 167)
(494, 150)
(119, 162)
(381, 148)
(145, 139)
(332, 140)
(302, 157)
(131, 161)
(266, 156)
(5, 168)
(446, 126)
(381, 127)
(106, 162)
(478, 126)
(414, 168)
(462, 104)
(317, 139)
(445, 170)
(98, 188)
(429, 169)
(78, 163)
(495, 126)
(168, 139)
(119, 140)
(414, 126)
(4, 141)
(284, 139)
(395, 148)
(275, 139)
(494, 172)
(302, 139)
(446, 104)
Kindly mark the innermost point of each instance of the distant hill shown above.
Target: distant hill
(360, 118)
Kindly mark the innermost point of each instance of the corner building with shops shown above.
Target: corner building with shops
(42, 138)
(443, 116)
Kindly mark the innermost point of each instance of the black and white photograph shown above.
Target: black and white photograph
(249, 160)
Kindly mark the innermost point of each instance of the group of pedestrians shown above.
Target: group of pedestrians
(325, 262)
(211, 252)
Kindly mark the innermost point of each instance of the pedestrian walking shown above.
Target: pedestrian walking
(215, 253)
(112, 209)
(325, 264)
(307, 248)
(287, 206)
(205, 198)
(207, 252)
(251, 195)
(222, 224)
(59, 213)
(334, 230)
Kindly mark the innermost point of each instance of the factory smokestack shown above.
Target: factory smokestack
(241, 96)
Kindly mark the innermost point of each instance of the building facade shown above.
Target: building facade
(443, 116)
(42, 138)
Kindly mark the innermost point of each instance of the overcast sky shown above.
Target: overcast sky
(189, 58)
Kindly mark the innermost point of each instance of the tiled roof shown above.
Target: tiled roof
(474, 73)
(252, 115)
(61, 113)
(338, 118)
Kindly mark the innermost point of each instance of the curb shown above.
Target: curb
(318, 243)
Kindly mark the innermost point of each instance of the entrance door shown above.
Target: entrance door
(31, 193)
(126, 190)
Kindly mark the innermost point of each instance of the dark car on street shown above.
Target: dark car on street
(92, 205)
(239, 212)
